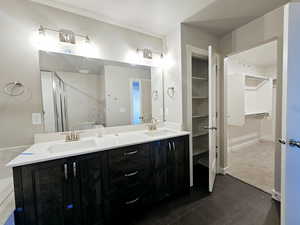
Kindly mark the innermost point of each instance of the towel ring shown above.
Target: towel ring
(14, 89)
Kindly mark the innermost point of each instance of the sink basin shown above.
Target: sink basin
(72, 146)
(157, 133)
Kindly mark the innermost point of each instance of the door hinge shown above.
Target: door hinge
(217, 114)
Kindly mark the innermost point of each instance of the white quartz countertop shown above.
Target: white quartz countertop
(46, 151)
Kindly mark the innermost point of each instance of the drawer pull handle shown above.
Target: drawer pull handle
(74, 169)
(132, 201)
(130, 153)
(174, 148)
(131, 174)
(170, 146)
(66, 171)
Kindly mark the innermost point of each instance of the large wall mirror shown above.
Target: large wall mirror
(81, 93)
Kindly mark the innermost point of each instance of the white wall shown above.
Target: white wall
(173, 105)
(19, 19)
(259, 31)
(117, 92)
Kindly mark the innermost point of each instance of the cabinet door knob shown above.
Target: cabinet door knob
(66, 171)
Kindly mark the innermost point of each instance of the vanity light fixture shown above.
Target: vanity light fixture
(66, 36)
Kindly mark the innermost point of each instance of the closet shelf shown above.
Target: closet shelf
(204, 78)
(203, 159)
(200, 116)
(200, 134)
(256, 113)
(199, 97)
(256, 77)
(199, 151)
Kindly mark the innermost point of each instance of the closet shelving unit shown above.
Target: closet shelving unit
(200, 110)
(260, 87)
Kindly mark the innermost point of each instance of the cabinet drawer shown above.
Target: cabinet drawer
(128, 204)
(125, 160)
(128, 180)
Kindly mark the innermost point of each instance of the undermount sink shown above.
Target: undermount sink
(72, 146)
(157, 133)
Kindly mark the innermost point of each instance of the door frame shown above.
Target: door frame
(224, 132)
(190, 51)
(284, 110)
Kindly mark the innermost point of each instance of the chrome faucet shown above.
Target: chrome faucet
(72, 136)
(153, 125)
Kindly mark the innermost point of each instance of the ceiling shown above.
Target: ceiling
(264, 55)
(159, 17)
(155, 17)
(223, 16)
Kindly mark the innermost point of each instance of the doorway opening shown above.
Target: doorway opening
(202, 101)
(140, 101)
(251, 79)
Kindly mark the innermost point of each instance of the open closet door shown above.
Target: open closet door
(212, 117)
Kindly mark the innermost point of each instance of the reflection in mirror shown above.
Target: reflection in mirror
(82, 93)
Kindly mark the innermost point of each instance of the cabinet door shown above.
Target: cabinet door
(48, 194)
(178, 165)
(87, 184)
(159, 152)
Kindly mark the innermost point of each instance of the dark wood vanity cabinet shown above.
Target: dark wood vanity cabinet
(103, 187)
(66, 191)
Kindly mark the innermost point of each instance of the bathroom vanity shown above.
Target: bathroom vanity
(109, 181)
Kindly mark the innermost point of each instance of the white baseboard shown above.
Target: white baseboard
(223, 170)
(276, 195)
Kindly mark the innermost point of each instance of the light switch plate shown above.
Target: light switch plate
(36, 118)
